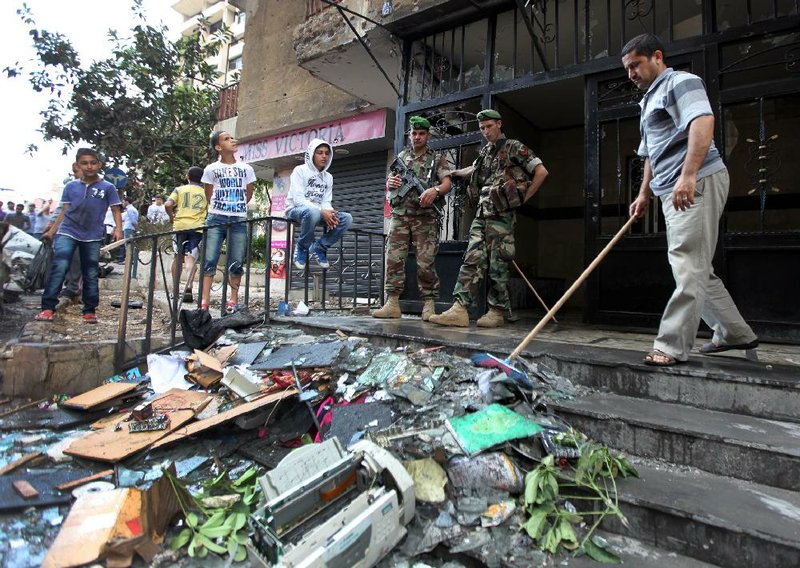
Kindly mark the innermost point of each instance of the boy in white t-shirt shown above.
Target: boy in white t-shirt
(229, 186)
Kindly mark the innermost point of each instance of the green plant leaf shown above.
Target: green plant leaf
(569, 539)
(181, 539)
(194, 546)
(241, 537)
(239, 521)
(216, 532)
(247, 477)
(191, 520)
(600, 554)
(240, 555)
(214, 520)
(211, 545)
(536, 524)
(531, 486)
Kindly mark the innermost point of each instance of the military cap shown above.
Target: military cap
(419, 122)
(489, 114)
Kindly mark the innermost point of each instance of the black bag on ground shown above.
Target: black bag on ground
(201, 330)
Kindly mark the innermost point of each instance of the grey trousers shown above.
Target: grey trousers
(699, 293)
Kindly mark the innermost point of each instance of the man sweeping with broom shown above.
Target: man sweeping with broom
(684, 169)
(506, 174)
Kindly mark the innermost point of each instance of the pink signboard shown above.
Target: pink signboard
(357, 128)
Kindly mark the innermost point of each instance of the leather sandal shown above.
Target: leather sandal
(711, 347)
(653, 357)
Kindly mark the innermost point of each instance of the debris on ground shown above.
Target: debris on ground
(260, 442)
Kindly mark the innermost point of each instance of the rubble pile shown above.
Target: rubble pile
(215, 450)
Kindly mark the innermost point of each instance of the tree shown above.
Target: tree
(150, 106)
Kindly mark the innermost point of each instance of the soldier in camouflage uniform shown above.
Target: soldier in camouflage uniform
(414, 221)
(504, 176)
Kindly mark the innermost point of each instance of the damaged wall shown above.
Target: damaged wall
(275, 94)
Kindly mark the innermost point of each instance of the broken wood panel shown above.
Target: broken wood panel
(94, 520)
(19, 462)
(84, 480)
(202, 425)
(25, 489)
(99, 395)
(111, 445)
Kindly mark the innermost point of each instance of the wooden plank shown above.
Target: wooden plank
(202, 425)
(18, 462)
(99, 395)
(111, 445)
(25, 489)
(22, 407)
(84, 480)
(94, 520)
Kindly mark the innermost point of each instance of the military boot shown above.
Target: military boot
(457, 316)
(492, 318)
(391, 309)
(428, 309)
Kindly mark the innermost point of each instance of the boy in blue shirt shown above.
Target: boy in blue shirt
(84, 203)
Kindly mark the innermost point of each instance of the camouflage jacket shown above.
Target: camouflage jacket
(422, 167)
(496, 163)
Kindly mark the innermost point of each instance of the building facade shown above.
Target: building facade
(552, 68)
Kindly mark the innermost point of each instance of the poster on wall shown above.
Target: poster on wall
(277, 263)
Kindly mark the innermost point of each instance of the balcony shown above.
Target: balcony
(189, 8)
(228, 102)
(326, 46)
(316, 6)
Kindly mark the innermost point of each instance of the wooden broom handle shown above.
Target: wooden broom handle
(535, 331)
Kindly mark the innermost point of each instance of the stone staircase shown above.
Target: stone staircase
(716, 442)
(720, 442)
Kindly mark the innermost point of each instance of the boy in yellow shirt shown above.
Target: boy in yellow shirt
(192, 205)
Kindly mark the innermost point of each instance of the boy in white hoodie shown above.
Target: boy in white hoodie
(309, 203)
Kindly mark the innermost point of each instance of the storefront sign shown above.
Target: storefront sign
(358, 128)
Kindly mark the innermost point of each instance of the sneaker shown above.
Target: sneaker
(187, 297)
(300, 258)
(89, 318)
(320, 255)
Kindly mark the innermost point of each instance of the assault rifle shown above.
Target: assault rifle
(409, 182)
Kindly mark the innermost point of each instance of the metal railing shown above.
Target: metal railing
(353, 280)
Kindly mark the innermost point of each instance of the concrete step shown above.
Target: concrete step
(745, 447)
(719, 520)
(637, 554)
(724, 383)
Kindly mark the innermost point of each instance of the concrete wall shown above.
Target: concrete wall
(275, 94)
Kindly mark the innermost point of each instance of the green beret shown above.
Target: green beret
(419, 122)
(489, 114)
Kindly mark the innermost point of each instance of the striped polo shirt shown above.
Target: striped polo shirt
(669, 106)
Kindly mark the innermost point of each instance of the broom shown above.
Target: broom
(490, 361)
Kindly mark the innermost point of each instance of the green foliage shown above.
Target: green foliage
(550, 523)
(221, 530)
(149, 107)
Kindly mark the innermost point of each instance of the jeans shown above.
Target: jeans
(218, 227)
(63, 249)
(309, 218)
(72, 281)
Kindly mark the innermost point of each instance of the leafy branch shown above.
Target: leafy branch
(216, 517)
(552, 521)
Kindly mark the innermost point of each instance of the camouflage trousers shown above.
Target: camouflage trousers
(490, 248)
(423, 232)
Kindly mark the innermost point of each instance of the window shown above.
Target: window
(235, 64)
